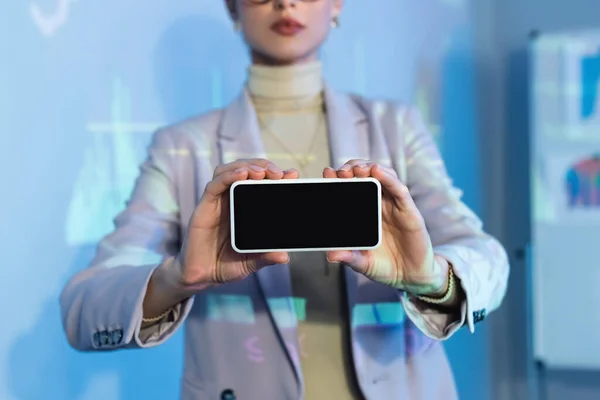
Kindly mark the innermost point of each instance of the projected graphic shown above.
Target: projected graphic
(426, 97)
(427, 100)
(583, 183)
(288, 311)
(253, 350)
(48, 22)
(110, 166)
(590, 84)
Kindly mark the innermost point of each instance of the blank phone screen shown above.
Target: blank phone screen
(306, 215)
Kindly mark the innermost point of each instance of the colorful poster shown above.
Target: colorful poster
(573, 188)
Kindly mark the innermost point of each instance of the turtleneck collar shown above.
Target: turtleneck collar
(287, 82)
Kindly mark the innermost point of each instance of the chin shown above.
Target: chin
(288, 56)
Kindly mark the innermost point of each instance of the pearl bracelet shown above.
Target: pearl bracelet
(155, 319)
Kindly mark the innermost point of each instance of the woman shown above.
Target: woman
(363, 324)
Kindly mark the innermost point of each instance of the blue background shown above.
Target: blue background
(82, 87)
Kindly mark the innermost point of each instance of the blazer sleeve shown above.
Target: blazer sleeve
(101, 305)
(479, 261)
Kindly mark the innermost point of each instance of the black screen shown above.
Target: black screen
(306, 215)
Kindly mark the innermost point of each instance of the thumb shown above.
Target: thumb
(267, 259)
(357, 260)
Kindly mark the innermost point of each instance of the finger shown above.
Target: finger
(351, 163)
(362, 170)
(273, 172)
(291, 174)
(215, 188)
(363, 167)
(256, 172)
(345, 173)
(244, 162)
(347, 170)
(329, 173)
(357, 260)
(391, 184)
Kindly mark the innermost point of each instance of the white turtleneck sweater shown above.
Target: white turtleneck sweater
(290, 108)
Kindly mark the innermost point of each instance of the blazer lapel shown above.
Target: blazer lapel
(239, 134)
(347, 127)
(350, 138)
(239, 137)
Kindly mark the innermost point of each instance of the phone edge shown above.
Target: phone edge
(307, 180)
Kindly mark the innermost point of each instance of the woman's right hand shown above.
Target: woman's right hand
(207, 257)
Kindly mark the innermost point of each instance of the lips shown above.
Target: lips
(287, 27)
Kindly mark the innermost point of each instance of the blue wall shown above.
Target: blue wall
(82, 87)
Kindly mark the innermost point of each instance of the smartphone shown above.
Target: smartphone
(305, 215)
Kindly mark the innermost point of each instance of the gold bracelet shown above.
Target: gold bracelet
(447, 294)
(156, 319)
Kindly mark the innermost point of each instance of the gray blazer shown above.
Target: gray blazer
(240, 337)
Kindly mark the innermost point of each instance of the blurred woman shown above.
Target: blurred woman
(363, 324)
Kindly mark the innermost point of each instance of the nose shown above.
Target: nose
(283, 4)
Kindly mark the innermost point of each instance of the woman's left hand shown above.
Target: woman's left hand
(405, 258)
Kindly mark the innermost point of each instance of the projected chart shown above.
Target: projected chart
(110, 167)
(50, 21)
(111, 163)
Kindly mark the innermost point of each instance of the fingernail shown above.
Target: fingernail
(345, 168)
(257, 168)
(362, 166)
(237, 171)
(287, 171)
(273, 168)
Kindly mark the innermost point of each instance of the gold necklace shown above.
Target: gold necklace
(304, 161)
